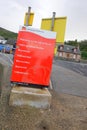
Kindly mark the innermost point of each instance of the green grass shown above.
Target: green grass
(7, 34)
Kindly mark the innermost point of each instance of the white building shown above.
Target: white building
(2, 40)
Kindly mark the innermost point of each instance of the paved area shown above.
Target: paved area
(80, 68)
(67, 81)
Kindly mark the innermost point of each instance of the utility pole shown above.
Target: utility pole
(53, 19)
(28, 15)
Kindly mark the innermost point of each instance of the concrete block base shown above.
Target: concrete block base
(24, 96)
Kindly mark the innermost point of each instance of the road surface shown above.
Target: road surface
(66, 80)
(80, 68)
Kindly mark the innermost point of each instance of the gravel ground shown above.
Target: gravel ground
(67, 112)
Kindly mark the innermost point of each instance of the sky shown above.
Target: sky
(12, 15)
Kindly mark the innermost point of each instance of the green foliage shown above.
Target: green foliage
(7, 34)
(84, 55)
(83, 45)
(72, 43)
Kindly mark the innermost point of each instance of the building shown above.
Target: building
(2, 40)
(69, 52)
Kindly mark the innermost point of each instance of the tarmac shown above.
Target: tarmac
(69, 82)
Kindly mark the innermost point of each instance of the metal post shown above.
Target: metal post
(27, 16)
(53, 18)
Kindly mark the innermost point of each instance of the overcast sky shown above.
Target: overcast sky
(12, 14)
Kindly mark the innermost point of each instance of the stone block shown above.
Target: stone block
(26, 96)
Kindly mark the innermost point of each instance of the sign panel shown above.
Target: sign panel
(33, 56)
(59, 27)
(30, 20)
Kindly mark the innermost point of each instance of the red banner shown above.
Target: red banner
(33, 56)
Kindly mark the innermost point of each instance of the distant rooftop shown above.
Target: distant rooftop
(69, 49)
(2, 38)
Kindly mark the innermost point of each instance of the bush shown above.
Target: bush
(84, 55)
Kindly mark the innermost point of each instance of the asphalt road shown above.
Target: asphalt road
(80, 68)
(69, 77)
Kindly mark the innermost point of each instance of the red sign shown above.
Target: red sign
(33, 56)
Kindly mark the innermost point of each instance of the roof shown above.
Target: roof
(69, 49)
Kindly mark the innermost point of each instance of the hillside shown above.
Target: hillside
(7, 34)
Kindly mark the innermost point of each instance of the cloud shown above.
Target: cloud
(12, 14)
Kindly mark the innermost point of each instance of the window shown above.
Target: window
(74, 56)
(60, 54)
(75, 49)
(61, 47)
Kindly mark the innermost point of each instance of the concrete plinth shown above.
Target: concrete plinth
(24, 96)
